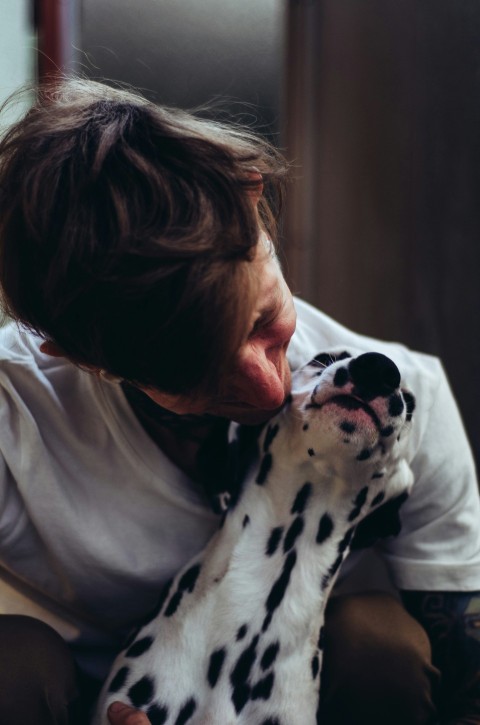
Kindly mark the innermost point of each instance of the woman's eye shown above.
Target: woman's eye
(256, 326)
(260, 325)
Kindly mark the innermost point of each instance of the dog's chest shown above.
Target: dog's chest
(237, 638)
(232, 627)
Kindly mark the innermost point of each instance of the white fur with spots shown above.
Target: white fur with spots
(237, 640)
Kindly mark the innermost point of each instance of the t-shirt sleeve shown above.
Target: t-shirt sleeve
(438, 547)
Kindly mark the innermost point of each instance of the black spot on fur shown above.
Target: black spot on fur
(345, 542)
(274, 540)
(272, 431)
(267, 622)
(387, 431)
(335, 566)
(321, 639)
(381, 523)
(186, 584)
(263, 688)
(119, 680)
(325, 528)
(395, 405)
(157, 714)
(141, 692)
(270, 655)
(242, 631)
(265, 467)
(217, 659)
(271, 721)
(240, 674)
(378, 499)
(186, 712)
(240, 697)
(311, 452)
(293, 533)
(341, 378)
(301, 499)
(279, 588)
(315, 666)
(379, 474)
(410, 403)
(348, 427)
(361, 496)
(324, 359)
(139, 647)
(305, 426)
(173, 604)
(244, 663)
(358, 503)
(189, 579)
(364, 455)
(246, 521)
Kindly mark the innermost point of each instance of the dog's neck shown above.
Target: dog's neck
(276, 523)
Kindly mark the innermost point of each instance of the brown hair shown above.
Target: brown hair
(127, 232)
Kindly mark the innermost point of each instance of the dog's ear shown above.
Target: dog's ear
(380, 524)
(325, 359)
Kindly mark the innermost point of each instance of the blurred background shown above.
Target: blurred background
(377, 103)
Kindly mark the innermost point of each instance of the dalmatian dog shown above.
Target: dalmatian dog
(238, 636)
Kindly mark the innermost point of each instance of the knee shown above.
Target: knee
(34, 645)
(377, 663)
(37, 672)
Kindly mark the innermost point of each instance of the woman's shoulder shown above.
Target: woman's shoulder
(317, 332)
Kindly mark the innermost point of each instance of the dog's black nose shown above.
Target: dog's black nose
(374, 374)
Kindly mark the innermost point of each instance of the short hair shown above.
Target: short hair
(127, 232)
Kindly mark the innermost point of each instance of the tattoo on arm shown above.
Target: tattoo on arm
(452, 621)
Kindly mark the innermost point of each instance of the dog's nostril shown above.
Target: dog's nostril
(374, 373)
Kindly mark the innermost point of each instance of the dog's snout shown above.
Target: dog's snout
(374, 374)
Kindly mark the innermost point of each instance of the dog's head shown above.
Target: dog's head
(348, 416)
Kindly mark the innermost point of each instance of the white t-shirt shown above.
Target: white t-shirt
(94, 518)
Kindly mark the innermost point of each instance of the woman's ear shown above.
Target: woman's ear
(48, 347)
(255, 192)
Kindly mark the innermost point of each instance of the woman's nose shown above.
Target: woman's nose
(262, 379)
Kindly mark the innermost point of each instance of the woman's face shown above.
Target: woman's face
(260, 378)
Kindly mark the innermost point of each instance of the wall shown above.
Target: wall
(16, 58)
(16, 50)
(188, 53)
(384, 223)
